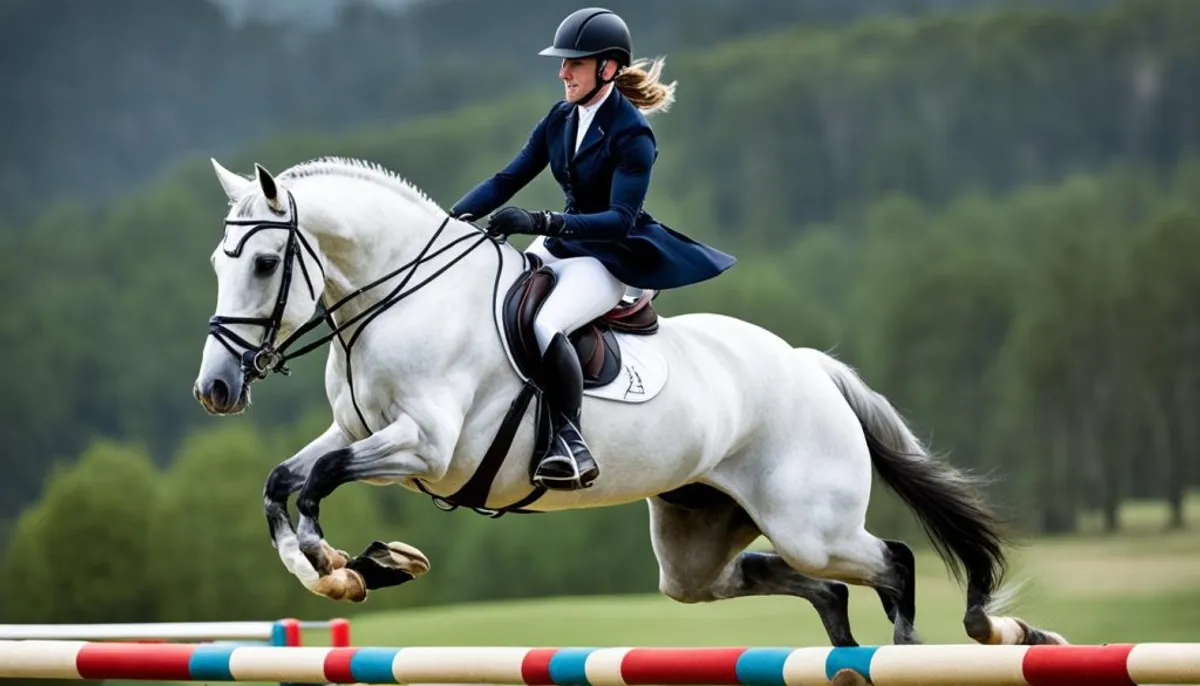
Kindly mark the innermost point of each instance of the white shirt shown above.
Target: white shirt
(586, 114)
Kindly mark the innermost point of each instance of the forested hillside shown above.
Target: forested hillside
(994, 214)
(100, 96)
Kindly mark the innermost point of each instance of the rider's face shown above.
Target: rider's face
(579, 77)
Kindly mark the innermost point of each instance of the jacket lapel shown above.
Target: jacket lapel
(591, 138)
(570, 127)
(600, 124)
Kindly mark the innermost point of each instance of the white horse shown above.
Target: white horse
(748, 436)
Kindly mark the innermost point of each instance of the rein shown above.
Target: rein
(259, 361)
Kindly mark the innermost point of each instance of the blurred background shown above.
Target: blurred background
(990, 207)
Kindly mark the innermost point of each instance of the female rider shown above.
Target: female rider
(601, 151)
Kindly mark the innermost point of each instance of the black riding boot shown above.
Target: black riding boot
(567, 465)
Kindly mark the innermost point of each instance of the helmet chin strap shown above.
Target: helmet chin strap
(600, 81)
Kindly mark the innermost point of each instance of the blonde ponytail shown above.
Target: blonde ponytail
(640, 83)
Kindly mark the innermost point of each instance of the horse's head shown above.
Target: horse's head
(270, 278)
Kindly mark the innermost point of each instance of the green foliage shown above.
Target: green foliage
(1021, 332)
(212, 84)
(81, 555)
(811, 125)
(577, 552)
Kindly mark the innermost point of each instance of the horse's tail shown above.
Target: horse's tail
(948, 502)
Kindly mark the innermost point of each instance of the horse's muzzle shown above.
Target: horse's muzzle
(220, 396)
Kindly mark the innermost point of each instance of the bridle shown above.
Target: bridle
(258, 361)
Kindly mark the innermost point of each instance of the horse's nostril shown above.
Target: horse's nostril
(218, 394)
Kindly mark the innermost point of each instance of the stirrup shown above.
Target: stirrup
(564, 469)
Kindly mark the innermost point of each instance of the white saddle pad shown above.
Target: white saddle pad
(643, 371)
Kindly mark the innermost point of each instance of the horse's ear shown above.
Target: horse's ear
(269, 188)
(233, 184)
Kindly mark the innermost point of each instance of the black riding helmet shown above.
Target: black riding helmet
(593, 32)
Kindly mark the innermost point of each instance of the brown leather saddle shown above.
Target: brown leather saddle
(599, 356)
(595, 342)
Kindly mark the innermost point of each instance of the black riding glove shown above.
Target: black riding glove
(512, 220)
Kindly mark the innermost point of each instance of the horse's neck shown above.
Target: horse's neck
(368, 236)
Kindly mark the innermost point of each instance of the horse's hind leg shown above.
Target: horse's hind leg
(769, 574)
(701, 559)
(858, 558)
(948, 502)
(813, 509)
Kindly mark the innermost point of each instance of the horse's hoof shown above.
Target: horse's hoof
(383, 565)
(1038, 637)
(343, 584)
(1008, 631)
(848, 677)
(408, 558)
(979, 627)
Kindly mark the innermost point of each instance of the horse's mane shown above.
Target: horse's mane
(360, 169)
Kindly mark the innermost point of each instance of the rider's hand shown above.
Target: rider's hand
(512, 220)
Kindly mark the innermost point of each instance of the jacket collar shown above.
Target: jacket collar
(600, 125)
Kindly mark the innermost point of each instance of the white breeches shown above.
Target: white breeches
(585, 290)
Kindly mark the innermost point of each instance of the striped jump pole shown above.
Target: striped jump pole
(962, 665)
(160, 637)
(283, 632)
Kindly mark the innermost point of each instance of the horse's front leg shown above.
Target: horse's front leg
(389, 455)
(284, 480)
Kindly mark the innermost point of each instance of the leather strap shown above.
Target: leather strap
(473, 494)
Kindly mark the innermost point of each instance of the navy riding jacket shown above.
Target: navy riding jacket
(605, 184)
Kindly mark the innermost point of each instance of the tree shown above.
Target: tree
(82, 553)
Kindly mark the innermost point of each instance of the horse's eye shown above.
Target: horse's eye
(264, 265)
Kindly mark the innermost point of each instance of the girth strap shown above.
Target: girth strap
(474, 493)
